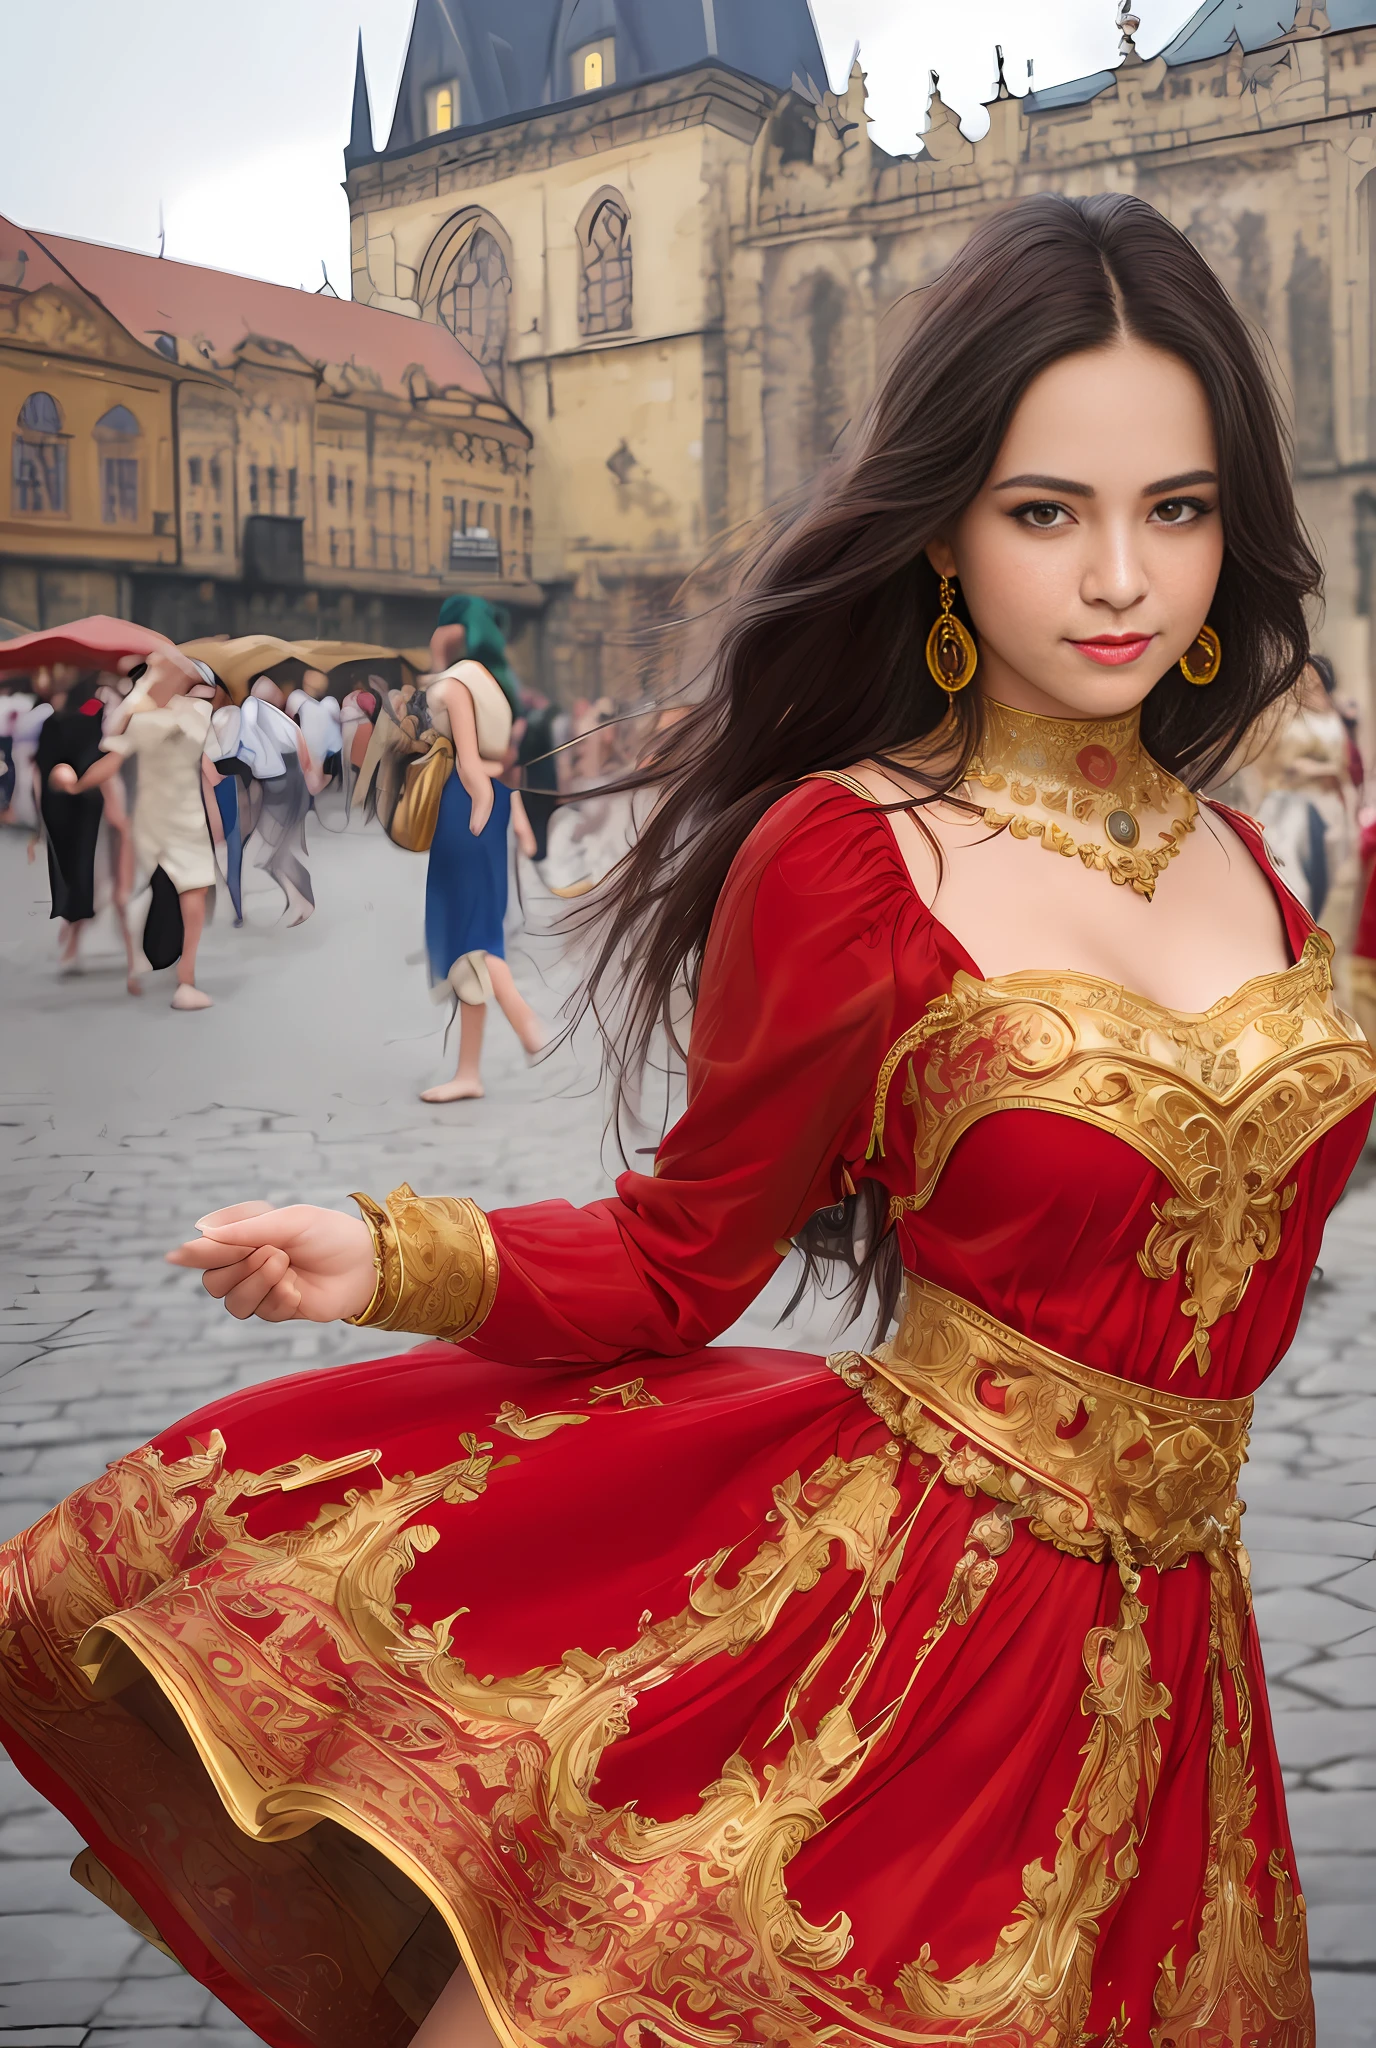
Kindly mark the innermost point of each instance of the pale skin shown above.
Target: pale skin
(1118, 545)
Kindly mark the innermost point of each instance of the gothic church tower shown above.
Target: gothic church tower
(561, 193)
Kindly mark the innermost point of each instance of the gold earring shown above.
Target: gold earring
(952, 655)
(1203, 658)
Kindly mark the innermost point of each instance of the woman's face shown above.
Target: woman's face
(1089, 559)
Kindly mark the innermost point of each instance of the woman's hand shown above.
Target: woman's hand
(63, 778)
(283, 1265)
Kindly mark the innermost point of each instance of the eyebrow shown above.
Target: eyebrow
(1067, 487)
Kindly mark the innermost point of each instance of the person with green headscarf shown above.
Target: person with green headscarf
(485, 628)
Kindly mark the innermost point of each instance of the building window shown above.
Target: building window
(293, 485)
(253, 485)
(331, 487)
(604, 293)
(193, 472)
(197, 530)
(117, 433)
(216, 479)
(349, 496)
(475, 297)
(442, 107)
(218, 537)
(272, 487)
(594, 66)
(38, 467)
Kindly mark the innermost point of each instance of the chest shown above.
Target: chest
(1213, 923)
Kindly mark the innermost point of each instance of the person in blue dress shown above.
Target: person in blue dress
(466, 882)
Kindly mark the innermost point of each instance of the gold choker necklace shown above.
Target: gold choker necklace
(1091, 770)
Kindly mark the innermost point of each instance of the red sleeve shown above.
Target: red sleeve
(795, 1012)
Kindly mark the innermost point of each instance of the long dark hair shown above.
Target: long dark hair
(817, 655)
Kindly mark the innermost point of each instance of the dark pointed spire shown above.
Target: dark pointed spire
(361, 145)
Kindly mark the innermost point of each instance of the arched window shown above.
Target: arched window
(442, 107)
(475, 297)
(593, 65)
(40, 413)
(117, 434)
(604, 292)
(38, 458)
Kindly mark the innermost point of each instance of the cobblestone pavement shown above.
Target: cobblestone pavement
(123, 1121)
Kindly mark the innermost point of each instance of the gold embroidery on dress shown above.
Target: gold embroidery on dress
(1098, 1466)
(513, 1421)
(1223, 1103)
(1239, 1984)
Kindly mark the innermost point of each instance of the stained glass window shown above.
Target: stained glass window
(474, 300)
(605, 293)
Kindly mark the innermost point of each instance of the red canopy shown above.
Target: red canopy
(97, 642)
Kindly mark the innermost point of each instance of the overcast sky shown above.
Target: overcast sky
(233, 120)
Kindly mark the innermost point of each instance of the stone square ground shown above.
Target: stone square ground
(122, 1122)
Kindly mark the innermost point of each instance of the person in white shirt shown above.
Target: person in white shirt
(318, 715)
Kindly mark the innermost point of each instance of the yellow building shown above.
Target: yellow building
(208, 453)
(676, 253)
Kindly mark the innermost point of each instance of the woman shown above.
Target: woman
(70, 740)
(277, 782)
(711, 1695)
(163, 726)
(466, 880)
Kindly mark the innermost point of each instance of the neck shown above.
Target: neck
(1101, 752)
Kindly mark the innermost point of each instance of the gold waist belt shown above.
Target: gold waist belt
(1098, 1465)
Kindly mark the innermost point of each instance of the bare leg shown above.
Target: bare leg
(68, 939)
(117, 818)
(188, 996)
(467, 1084)
(515, 1008)
(456, 2019)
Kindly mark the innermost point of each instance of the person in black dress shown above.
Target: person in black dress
(71, 824)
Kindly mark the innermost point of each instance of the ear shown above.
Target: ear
(941, 556)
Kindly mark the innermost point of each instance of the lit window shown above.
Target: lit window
(442, 107)
(594, 66)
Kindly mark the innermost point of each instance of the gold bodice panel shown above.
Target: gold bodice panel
(1223, 1103)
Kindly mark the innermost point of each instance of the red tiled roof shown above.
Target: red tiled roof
(150, 295)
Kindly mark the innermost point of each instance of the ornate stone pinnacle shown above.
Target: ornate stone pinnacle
(1128, 25)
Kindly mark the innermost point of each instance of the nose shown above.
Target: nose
(1115, 574)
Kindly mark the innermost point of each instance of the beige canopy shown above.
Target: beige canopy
(239, 663)
(330, 654)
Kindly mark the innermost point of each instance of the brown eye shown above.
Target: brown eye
(1044, 514)
(1179, 511)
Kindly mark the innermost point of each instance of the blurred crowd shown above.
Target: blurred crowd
(147, 781)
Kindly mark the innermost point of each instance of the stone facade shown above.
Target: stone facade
(771, 244)
(222, 455)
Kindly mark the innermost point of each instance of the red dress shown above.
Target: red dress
(711, 1695)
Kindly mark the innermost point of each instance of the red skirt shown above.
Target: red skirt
(679, 1700)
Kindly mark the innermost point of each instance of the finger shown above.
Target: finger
(235, 1214)
(282, 1302)
(269, 1227)
(242, 1301)
(222, 1282)
(205, 1254)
